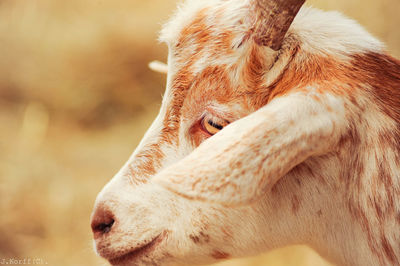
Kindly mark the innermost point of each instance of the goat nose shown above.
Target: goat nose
(102, 221)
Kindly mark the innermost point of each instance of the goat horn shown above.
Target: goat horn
(273, 20)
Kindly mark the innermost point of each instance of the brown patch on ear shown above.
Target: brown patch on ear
(220, 255)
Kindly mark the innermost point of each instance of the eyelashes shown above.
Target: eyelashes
(212, 124)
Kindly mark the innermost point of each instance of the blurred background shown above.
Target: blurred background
(76, 97)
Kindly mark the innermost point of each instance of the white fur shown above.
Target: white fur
(200, 197)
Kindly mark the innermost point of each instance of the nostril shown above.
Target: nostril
(102, 221)
(103, 227)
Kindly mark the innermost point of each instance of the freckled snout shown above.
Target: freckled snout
(128, 224)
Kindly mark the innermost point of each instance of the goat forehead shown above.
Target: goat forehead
(200, 80)
(191, 93)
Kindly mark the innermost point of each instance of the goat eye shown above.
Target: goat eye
(212, 124)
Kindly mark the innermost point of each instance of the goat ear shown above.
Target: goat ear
(243, 161)
(273, 19)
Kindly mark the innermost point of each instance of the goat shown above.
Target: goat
(280, 125)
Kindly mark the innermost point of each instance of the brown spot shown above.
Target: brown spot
(205, 237)
(194, 238)
(220, 255)
(201, 238)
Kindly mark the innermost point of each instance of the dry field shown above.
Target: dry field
(75, 99)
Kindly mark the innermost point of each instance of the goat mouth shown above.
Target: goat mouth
(139, 251)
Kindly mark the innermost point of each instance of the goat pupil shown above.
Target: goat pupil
(217, 126)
